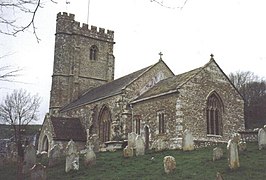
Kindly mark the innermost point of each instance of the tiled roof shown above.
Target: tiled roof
(106, 90)
(67, 129)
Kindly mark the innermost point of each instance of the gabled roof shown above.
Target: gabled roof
(109, 89)
(68, 128)
(172, 84)
(104, 91)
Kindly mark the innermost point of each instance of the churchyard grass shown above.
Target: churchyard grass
(195, 164)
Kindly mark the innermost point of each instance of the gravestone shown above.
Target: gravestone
(131, 139)
(54, 155)
(217, 153)
(262, 138)
(72, 156)
(128, 152)
(242, 146)
(94, 139)
(38, 172)
(30, 154)
(169, 164)
(188, 142)
(90, 156)
(140, 146)
(232, 147)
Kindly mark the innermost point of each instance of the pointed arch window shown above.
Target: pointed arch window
(93, 52)
(138, 121)
(214, 112)
(104, 130)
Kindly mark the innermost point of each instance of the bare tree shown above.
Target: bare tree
(19, 109)
(253, 90)
(18, 15)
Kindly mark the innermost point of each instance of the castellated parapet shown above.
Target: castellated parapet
(66, 24)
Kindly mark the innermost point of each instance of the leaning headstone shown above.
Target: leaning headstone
(217, 153)
(131, 139)
(188, 142)
(90, 156)
(140, 146)
(169, 164)
(94, 139)
(30, 154)
(233, 159)
(54, 155)
(262, 138)
(128, 152)
(38, 172)
(72, 156)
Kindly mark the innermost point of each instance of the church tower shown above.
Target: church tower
(83, 59)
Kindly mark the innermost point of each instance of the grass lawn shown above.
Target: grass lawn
(196, 165)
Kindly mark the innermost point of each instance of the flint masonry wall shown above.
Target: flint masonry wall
(74, 71)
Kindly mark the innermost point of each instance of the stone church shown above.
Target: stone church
(85, 99)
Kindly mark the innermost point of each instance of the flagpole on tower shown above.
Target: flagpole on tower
(88, 11)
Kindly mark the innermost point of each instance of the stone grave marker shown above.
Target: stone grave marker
(90, 156)
(262, 138)
(94, 139)
(140, 146)
(30, 154)
(128, 152)
(54, 155)
(217, 153)
(232, 147)
(132, 139)
(242, 146)
(188, 142)
(169, 164)
(72, 156)
(38, 172)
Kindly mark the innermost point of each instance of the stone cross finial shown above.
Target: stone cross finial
(160, 54)
(212, 56)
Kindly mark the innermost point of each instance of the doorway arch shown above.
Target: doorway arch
(104, 124)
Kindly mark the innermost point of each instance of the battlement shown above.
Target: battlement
(66, 24)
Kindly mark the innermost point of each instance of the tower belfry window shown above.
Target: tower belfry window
(93, 52)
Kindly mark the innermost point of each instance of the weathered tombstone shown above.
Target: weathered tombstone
(262, 138)
(54, 155)
(72, 156)
(30, 154)
(217, 153)
(128, 152)
(169, 164)
(242, 146)
(38, 172)
(131, 139)
(94, 139)
(233, 159)
(140, 146)
(188, 142)
(90, 156)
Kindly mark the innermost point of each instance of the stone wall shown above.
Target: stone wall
(74, 72)
(193, 100)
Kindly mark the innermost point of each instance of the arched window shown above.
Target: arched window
(104, 124)
(161, 121)
(214, 114)
(93, 52)
(138, 121)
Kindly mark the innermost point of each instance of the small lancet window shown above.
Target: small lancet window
(93, 52)
(138, 121)
(214, 115)
(161, 119)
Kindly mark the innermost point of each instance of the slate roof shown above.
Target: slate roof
(106, 90)
(67, 129)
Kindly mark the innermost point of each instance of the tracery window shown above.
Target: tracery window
(214, 114)
(93, 52)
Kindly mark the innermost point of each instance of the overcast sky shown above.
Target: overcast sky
(233, 30)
